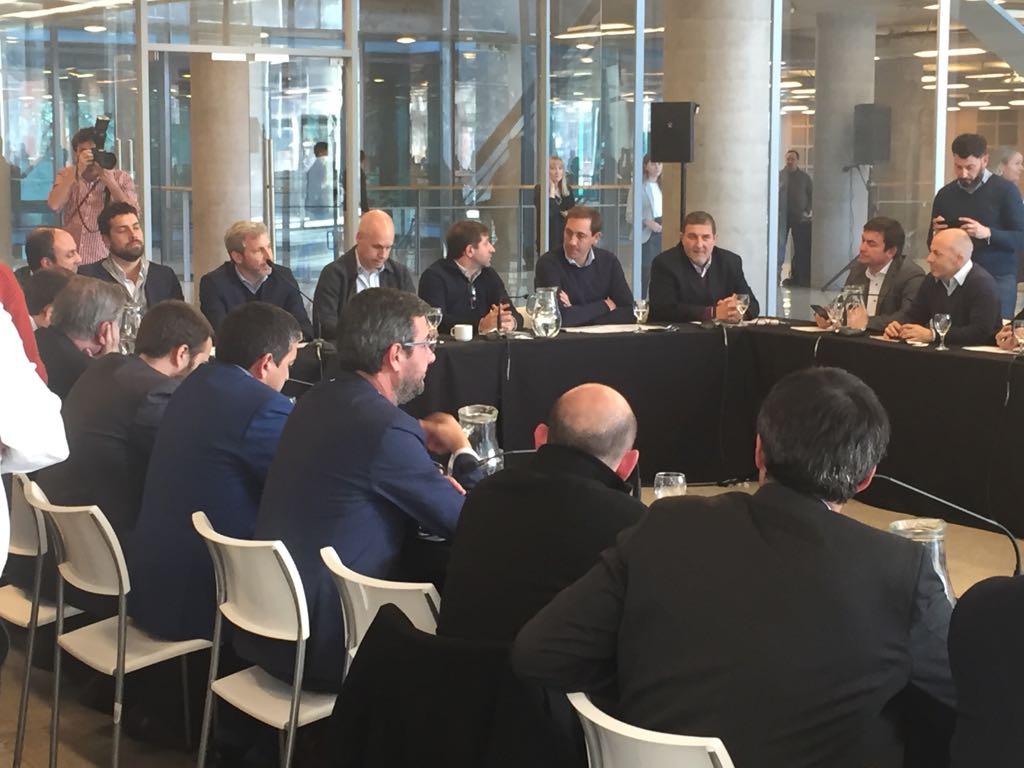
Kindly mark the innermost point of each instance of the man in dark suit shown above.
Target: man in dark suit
(526, 534)
(112, 413)
(85, 324)
(250, 274)
(212, 452)
(889, 279)
(353, 471)
(957, 287)
(771, 621)
(48, 248)
(145, 283)
(592, 288)
(366, 265)
(465, 285)
(697, 280)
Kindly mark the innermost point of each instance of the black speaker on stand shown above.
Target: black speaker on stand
(673, 127)
(872, 139)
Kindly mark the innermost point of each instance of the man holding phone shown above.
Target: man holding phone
(989, 209)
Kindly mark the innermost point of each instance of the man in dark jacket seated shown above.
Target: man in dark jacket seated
(957, 287)
(592, 287)
(465, 286)
(250, 274)
(697, 280)
(526, 534)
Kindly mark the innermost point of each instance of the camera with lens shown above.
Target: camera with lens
(105, 160)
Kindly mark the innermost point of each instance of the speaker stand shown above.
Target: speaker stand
(682, 193)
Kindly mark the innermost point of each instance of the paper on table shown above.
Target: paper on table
(811, 329)
(991, 350)
(899, 341)
(611, 328)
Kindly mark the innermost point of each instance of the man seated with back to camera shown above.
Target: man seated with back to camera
(41, 290)
(465, 286)
(527, 533)
(957, 287)
(248, 275)
(354, 471)
(145, 283)
(592, 287)
(48, 248)
(697, 280)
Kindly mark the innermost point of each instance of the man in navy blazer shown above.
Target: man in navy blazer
(145, 283)
(250, 274)
(353, 472)
(213, 448)
(697, 280)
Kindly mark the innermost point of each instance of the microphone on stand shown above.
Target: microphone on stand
(317, 341)
(840, 273)
(997, 525)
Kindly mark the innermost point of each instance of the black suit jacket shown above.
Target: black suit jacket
(63, 360)
(161, 282)
(111, 416)
(678, 294)
(222, 290)
(974, 307)
(337, 284)
(895, 297)
(768, 620)
(526, 534)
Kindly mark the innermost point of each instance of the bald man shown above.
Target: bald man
(527, 533)
(956, 286)
(365, 265)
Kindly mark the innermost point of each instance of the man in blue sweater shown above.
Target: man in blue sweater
(592, 288)
(989, 209)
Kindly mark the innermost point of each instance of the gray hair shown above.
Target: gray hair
(239, 232)
(83, 304)
(373, 320)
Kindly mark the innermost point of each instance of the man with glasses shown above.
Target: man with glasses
(354, 471)
(465, 285)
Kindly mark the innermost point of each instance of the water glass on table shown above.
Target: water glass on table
(669, 484)
(941, 323)
(742, 304)
(641, 309)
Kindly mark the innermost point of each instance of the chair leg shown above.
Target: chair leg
(282, 749)
(186, 710)
(55, 713)
(208, 705)
(19, 739)
(118, 708)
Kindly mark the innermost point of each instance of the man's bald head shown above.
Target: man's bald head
(950, 250)
(594, 419)
(374, 239)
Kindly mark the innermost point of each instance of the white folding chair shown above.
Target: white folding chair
(259, 591)
(89, 557)
(612, 743)
(28, 611)
(362, 596)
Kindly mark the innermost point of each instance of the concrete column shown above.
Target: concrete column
(220, 155)
(717, 54)
(845, 76)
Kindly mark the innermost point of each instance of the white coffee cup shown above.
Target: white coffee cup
(462, 332)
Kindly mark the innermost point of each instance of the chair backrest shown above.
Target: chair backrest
(258, 585)
(362, 596)
(612, 743)
(28, 530)
(86, 549)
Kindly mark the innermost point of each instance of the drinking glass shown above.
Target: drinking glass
(835, 313)
(434, 316)
(1018, 335)
(131, 318)
(640, 311)
(941, 323)
(742, 304)
(669, 484)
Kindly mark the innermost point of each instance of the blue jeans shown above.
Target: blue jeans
(1007, 287)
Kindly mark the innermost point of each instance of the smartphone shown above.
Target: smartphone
(820, 311)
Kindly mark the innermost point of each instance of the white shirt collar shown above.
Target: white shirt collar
(958, 279)
(471, 274)
(882, 272)
(253, 287)
(700, 270)
(586, 263)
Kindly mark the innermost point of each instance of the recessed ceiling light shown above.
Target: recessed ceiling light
(952, 52)
(94, 28)
(952, 109)
(997, 108)
(406, 40)
(791, 84)
(378, 79)
(795, 108)
(975, 103)
(1012, 102)
(928, 78)
(587, 60)
(264, 35)
(585, 46)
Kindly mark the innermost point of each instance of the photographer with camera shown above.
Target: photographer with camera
(82, 190)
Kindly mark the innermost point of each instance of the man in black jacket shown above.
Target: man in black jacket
(697, 280)
(250, 274)
(957, 287)
(769, 620)
(526, 534)
(465, 285)
(365, 265)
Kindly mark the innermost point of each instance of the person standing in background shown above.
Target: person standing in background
(650, 217)
(561, 199)
(796, 192)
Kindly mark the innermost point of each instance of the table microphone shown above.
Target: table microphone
(998, 526)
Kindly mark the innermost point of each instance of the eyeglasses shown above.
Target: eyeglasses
(430, 343)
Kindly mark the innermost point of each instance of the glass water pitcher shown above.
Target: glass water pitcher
(542, 307)
(931, 534)
(480, 423)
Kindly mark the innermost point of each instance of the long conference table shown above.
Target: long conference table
(956, 416)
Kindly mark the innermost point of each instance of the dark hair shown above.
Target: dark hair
(608, 444)
(970, 145)
(43, 287)
(254, 329)
(586, 212)
(463, 234)
(320, 147)
(83, 135)
(370, 322)
(699, 217)
(168, 325)
(822, 431)
(112, 211)
(39, 246)
(85, 303)
(793, 152)
(891, 231)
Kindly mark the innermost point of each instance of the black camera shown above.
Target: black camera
(106, 160)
